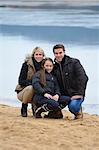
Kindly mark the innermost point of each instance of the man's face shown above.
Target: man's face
(59, 54)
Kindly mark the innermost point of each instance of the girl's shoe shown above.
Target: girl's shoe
(54, 115)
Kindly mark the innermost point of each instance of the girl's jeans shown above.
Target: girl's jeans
(51, 104)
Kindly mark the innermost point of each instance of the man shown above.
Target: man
(72, 79)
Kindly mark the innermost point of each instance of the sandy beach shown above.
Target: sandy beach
(19, 133)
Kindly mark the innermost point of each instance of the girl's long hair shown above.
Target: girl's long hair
(42, 71)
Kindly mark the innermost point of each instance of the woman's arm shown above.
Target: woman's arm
(23, 75)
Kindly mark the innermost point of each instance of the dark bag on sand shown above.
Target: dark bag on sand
(19, 88)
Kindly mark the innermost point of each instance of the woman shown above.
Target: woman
(47, 95)
(29, 67)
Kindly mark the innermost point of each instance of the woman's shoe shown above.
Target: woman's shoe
(24, 110)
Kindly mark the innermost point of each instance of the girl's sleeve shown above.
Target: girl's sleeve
(36, 84)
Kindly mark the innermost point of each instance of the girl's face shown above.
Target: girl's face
(48, 66)
(38, 56)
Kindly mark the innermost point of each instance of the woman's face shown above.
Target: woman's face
(38, 56)
(48, 66)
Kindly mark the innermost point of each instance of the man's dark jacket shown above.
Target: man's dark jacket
(71, 76)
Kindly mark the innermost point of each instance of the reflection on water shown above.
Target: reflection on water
(91, 108)
(70, 16)
(72, 35)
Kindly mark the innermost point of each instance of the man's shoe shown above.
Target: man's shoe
(24, 110)
(79, 115)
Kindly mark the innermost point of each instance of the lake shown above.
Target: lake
(23, 29)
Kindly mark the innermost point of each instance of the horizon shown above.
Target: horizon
(47, 3)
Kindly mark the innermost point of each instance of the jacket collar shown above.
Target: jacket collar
(30, 62)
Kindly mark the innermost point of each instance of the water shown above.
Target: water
(23, 29)
(87, 108)
(79, 17)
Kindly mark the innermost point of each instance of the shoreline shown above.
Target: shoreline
(29, 133)
(91, 109)
(46, 4)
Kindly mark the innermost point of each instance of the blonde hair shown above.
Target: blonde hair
(38, 49)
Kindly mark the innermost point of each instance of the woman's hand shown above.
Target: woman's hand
(55, 97)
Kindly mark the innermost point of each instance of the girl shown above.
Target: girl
(47, 95)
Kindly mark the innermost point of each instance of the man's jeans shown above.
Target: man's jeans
(75, 106)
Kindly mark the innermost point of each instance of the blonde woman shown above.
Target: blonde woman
(29, 67)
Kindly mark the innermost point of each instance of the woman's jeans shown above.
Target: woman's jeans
(50, 103)
(75, 106)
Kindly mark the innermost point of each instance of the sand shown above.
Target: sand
(18, 133)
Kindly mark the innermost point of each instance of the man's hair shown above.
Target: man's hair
(58, 46)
